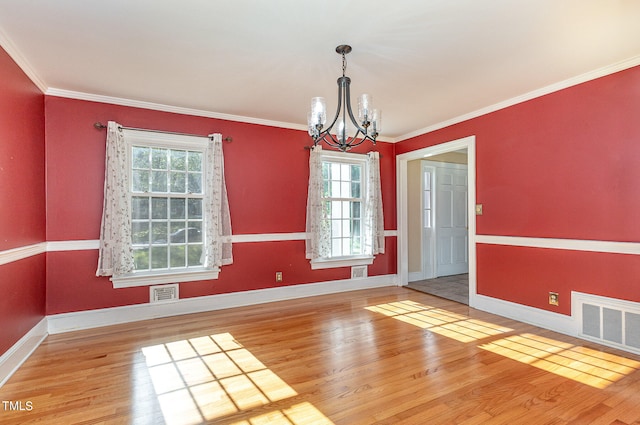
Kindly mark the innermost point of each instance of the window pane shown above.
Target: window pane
(336, 247)
(178, 182)
(427, 179)
(355, 173)
(345, 190)
(195, 182)
(346, 228)
(159, 257)
(177, 208)
(356, 246)
(140, 233)
(335, 171)
(427, 199)
(326, 174)
(346, 246)
(335, 228)
(195, 161)
(194, 255)
(159, 159)
(355, 228)
(325, 189)
(356, 209)
(159, 208)
(335, 189)
(178, 160)
(140, 181)
(327, 209)
(178, 256)
(346, 209)
(174, 226)
(194, 233)
(159, 181)
(179, 235)
(140, 157)
(195, 208)
(345, 172)
(141, 258)
(336, 209)
(140, 207)
(159, 233)
(355, 189)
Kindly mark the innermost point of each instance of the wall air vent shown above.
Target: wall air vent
(163, 293)
(609, 321)
(358, 272)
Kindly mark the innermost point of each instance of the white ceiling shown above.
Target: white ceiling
(426, 62)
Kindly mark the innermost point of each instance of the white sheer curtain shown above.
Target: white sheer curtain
(115, 256)
(216, 207)
(318, 236)
(374, 217)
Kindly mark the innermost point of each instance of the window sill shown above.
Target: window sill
(158, 278)
(330, 263)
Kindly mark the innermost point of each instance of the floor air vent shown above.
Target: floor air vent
(162, 293)
(608, 321)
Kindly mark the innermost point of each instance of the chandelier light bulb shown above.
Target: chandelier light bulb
(318, 111)
(365, 108)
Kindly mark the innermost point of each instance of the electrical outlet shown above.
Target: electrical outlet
(278, 276)
(553, 298)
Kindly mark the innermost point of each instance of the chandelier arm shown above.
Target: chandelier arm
(342, 83)
(348, 108)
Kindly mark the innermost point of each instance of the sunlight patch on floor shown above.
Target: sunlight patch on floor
(211, 377)
(440, 321)
(581, 364)
(299, 414)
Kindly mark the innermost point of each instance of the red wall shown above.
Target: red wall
(266, 170)
(22, 203)
(565, 165)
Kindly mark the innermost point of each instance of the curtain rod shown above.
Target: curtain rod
(98, 125)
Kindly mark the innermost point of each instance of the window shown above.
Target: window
(166, 208)
(344, 209)
(166, 215)
(342, 196)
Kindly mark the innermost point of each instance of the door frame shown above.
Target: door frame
(468, 143)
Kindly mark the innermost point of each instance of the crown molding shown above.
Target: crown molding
(583, 78)
(21, 61)
(169, 108)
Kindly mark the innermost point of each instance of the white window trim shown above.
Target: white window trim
(348, 260)
(155, 277)
(162, 277)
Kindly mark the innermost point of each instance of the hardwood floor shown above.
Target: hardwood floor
(382, 356)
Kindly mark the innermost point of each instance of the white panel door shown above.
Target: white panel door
(452, 235)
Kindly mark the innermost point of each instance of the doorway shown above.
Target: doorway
(453, 254)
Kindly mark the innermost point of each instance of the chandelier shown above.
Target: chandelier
(345, 131)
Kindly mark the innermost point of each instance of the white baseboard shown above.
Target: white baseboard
(65, 322)
(11, 360)
(414, 276)
(534, 316)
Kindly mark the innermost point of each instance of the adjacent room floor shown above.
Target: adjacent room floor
(455, 288)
